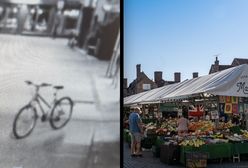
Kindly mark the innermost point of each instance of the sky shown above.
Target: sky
(183, 35)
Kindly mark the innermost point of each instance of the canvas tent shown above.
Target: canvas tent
(229, 82)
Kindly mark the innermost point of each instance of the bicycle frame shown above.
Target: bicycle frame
(37, 99)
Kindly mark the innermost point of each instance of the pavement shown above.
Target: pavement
(149, 161)
(91, 138)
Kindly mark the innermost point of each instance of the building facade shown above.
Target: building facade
(140, 84)
(217, 67)
(143, 83)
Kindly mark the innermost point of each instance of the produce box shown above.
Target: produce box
(169, 153)
(126, 135)
(156, 151)
(235, 129)
(196, 159)
(148, 142)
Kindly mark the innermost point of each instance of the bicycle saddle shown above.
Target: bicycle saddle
(58, 87)
(28, 82)
(45, 84)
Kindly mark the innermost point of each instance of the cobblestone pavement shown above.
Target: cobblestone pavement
(94, 128)
(149, 161)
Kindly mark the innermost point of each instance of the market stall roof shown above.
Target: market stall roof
(147, 96)
(229, 82)
(155, 95)
(130, 99)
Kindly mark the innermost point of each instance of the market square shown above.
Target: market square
(185, 84)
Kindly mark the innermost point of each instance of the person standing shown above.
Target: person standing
(57, 24)
(183, 123)
(135, 127)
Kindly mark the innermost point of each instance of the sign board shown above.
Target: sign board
(214, 115)
(168, 107)
(60, 4)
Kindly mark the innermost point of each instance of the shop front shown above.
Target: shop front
(38, 18)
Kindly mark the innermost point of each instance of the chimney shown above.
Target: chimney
(138, 70)
(177, 77)
(216, 61)
(125, 83)
(216, 64)
(195, 74)
(158, 76)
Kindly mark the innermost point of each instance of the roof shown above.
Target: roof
(229, 82)
(221, 67)
(239, 61)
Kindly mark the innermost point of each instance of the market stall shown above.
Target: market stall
(222, 96)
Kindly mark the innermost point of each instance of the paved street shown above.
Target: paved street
(149, 161)
(90, 139)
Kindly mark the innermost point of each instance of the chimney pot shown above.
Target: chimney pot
(125, 83)
(177, 77)
(138, 70)
(158, 76)
(195, 74)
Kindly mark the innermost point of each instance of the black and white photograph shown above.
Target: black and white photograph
(59, 83)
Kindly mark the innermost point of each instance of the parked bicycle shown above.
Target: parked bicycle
(59, 113)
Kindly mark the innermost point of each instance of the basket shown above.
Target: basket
(196, 159)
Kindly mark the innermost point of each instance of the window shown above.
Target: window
(146, 86)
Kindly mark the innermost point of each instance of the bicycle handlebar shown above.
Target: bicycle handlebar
(40, 85)
(57, 87)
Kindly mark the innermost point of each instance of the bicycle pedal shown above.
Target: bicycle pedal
(43, 118)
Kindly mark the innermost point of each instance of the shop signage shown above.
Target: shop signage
(214, 115)
(242, 87)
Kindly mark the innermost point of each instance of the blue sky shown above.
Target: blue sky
(183, 35)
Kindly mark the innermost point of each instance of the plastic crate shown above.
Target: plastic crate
(169, 153)
(196, 159)
(156, 151)
(148, 142)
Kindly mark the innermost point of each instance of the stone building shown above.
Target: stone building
(143, 83)
(140, 84)
(158, 78)
(217, 67)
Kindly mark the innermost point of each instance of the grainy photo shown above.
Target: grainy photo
(59, 83)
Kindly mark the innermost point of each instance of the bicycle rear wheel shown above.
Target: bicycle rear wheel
(61, 113)
(24, 122)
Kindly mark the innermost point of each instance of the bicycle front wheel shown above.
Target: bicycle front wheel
(24, 121)
(61, 113)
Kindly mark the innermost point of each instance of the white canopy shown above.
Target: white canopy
(229, 82)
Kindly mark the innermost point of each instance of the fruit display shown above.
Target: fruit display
(244, 134)
(235, 138)
(201, 127)
(223, 125)
(150, 128)
(192, 142)
(166, 127)
(218, 136)
(169, 125)
(161, 131)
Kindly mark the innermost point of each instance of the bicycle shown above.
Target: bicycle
(60, 111)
